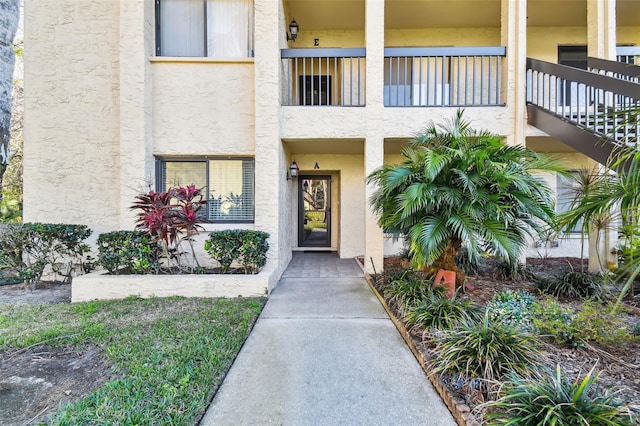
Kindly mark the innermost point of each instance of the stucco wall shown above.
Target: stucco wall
(348, 206)
(72, 112)
(629, 35)
(442, 37)
(203, 108)
(542, 42)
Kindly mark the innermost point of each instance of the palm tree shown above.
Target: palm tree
(460, 188)
(614, 195)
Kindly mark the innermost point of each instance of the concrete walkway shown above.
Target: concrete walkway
(324, 352)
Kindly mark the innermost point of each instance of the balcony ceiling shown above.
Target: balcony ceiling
(399, 14)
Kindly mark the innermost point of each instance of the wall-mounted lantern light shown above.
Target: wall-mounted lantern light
(293, 171)
(292, 35)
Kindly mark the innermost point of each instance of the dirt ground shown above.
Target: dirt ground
(36, 380)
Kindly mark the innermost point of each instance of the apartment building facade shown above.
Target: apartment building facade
(236, 96)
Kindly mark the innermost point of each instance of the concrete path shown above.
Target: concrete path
(324, 352)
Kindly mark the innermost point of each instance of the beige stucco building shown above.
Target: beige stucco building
(125, 94)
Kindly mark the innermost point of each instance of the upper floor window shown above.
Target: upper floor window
(213, 28)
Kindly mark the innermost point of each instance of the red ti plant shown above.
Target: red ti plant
(189, 203)
(170, 217)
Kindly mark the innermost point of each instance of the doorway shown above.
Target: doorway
(576, 57)
(314, 211)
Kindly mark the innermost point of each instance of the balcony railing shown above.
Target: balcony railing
(628, 54)
(443, 76)
(598, 103)
(327, 77)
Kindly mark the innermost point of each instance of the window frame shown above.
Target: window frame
(160, 181)
(158, 35)
(567, 182)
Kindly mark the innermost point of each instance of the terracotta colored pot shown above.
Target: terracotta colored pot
(447, 279)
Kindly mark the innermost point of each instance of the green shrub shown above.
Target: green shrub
(245, 246)
(574, 284)
(440, 312)
(128, 252)
(224, 247)
(593, 322)
(553, 319)
(29, 248)
(409, 290)
(553, 400)
(484, 350)
(512, 308)
(253, 251)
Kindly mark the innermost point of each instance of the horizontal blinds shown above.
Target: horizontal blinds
(183, 173)
(231, 190)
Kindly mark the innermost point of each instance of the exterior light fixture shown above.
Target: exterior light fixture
(293, 30)
(293, 171)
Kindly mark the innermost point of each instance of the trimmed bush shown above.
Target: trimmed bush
(29, 248)
(246, 247)
(253, 251)
(553, 400)
(128, 252)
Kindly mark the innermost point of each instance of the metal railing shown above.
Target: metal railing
(323, 77)
(443, 76)
(620, 70)
(628, 54)
(606, 106)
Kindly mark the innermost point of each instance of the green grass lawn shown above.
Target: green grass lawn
(170, 354)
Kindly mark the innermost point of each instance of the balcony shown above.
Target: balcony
(443, 76)
(628, 54)
(413, 76)
(324, 77)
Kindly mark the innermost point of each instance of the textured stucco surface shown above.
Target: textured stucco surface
(72, 112)
(348, 202)
(98, 285)
(99, 106)
(203, 108)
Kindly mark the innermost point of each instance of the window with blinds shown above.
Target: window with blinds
(213, 28)
(227, 183)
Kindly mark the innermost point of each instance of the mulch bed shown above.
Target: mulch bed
(618, 366)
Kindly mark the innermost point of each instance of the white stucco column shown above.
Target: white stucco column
(270, 194)
(374, 142)
(136, 140)
(513, 35)
(601, 29)
(601, 43)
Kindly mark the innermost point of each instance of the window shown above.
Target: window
(567, 188)
(213, 28)
(228, 184)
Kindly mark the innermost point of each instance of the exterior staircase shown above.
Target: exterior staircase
(594, 111)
